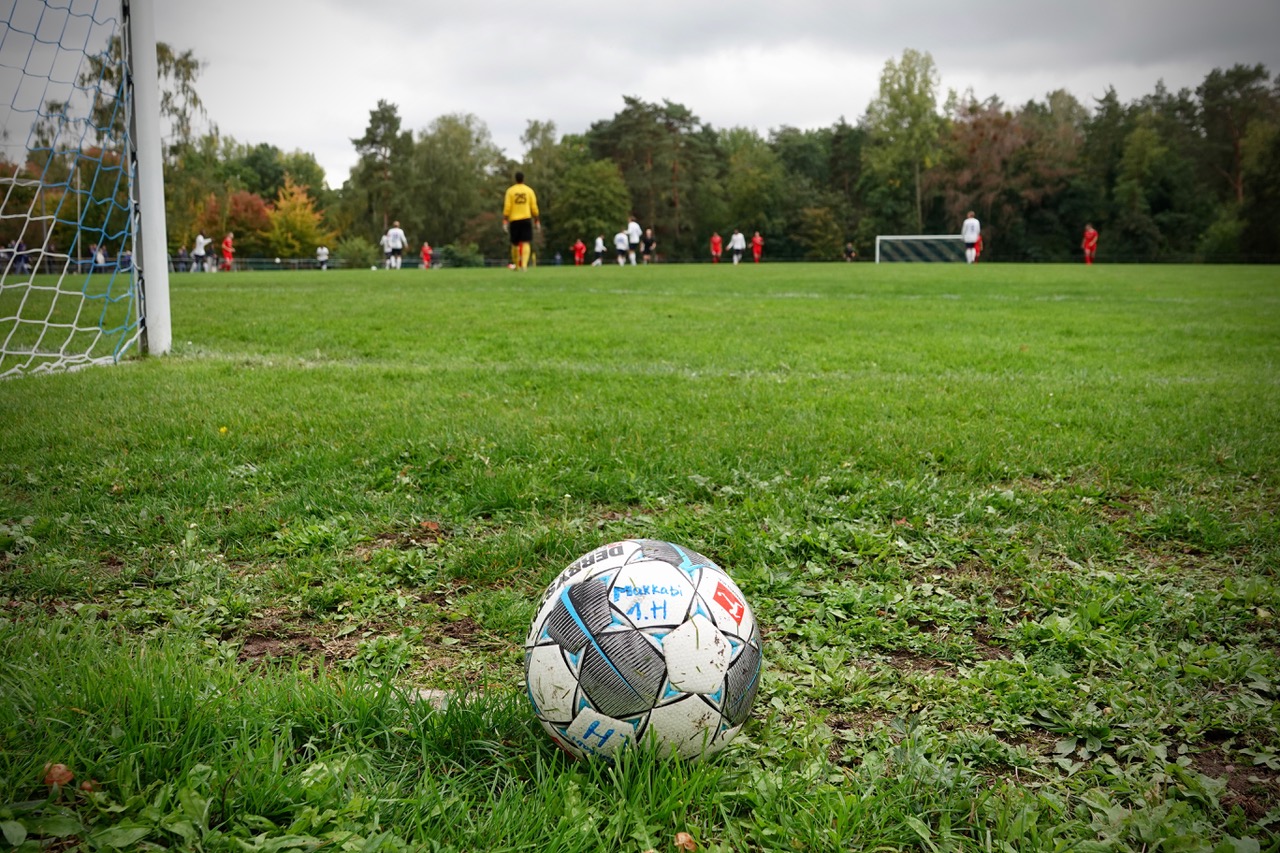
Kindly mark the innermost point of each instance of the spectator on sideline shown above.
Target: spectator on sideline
(757, 247)
(228, 250)
(426, 255)
(648, 243)
(183, 262)
(970, 231)
(849, 254)
(396, 241)
(634, 233)
(622, 246)
(717, 242)
(198, 253)
(599, 250)
(519, 218)
(579, 252)
(1089, 244)
(322, 257)
(737, 245)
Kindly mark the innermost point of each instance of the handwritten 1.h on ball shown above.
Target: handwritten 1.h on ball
(639, 640)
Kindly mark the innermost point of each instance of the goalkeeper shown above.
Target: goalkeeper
(519, 218)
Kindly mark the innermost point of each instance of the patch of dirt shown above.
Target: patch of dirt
(908, 661)
(258, 647)
(273, 637)
(1036, 741)
(465, 628)
(1254, 790)
(858, 722)
(988, 649)
(848, 726)
(422, 535)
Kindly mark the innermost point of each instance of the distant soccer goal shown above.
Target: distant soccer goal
(920, 247)
(84, 266)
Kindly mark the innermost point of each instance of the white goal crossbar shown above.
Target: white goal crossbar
(921, 247)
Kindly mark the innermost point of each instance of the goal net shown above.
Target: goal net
(920, 247)
(83, 257)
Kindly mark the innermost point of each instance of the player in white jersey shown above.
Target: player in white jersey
(198, 253)
(622, 245)
(970, 232)
(599, 250)
(737, 245)
(396, 241)
(385, 242)
(634, 233)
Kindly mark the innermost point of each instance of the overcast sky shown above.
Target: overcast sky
(305, 74)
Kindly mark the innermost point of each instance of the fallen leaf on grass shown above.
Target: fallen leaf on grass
(57, 774)
(684, 841)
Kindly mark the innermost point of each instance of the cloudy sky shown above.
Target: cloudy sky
(304, 74)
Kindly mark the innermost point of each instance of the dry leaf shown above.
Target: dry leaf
(90, 785)
(685, 841)
(57, 774)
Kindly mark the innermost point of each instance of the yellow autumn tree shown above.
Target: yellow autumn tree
(294, 226)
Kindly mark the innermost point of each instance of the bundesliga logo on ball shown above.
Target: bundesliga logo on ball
(643, 640)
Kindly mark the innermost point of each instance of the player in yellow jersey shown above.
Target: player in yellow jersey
(519, 218)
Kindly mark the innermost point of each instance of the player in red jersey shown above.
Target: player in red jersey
(757, 247)
(579, 252)
(1089, 244)
(426, 255)
(977, 249)
(716, 244)
(228, 251)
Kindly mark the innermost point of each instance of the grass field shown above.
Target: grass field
(1011, 532)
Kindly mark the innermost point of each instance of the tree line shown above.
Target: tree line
(1171, 176)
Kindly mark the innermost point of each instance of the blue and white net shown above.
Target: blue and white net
(68, 286)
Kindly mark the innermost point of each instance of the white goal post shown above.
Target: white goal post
(84, 275)
(920, 247)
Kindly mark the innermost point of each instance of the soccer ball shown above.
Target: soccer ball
(277, 260)
(374, 267)
(641, 640)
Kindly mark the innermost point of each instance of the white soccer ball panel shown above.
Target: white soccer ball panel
(553, 687)
(697, 656)
(688, 727)
(728, 606)
(593, 733)
(651, 594)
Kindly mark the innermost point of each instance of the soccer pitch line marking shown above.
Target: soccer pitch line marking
(535, 289)
(778, 376)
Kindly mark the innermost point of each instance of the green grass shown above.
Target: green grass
(1011, 531)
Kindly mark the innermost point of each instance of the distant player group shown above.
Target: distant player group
(971, 234)
(632, 244)
(393, 244)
